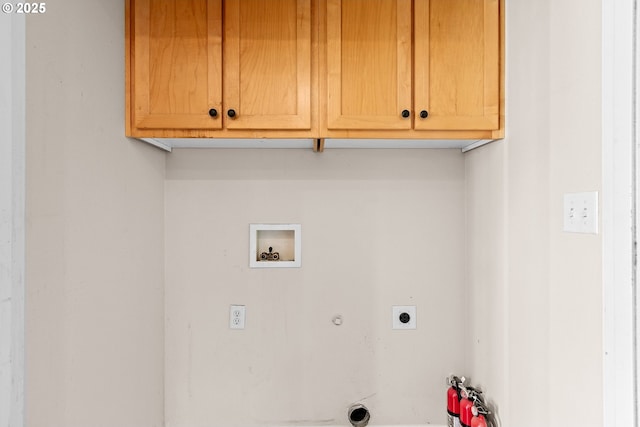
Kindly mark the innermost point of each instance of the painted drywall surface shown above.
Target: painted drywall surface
(553, 349)
(12, 181)
(94, 328)
(379, 228)
(527, 193)
(487, 304)
(575, 288)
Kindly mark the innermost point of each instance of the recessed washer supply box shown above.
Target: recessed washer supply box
(275, 245)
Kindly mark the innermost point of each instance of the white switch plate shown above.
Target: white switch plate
(581, 212)
(236, 317)
(404, 317)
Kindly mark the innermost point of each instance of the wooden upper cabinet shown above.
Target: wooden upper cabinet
(368, 60)
(435, 61)
(314, 69)
(457, 64)
(177, 67)
(203, 67)
(267, 64)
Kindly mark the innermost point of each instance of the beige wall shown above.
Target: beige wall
(548, 366)
(487, 306)
(575, 288)
(94, 281)
(379, 228)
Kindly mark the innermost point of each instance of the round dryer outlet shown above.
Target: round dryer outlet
(404, 317)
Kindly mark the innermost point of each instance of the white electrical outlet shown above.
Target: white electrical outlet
(581, 212)
(404, 317)
(236, 317)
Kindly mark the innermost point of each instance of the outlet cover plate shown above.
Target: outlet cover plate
(237, 316)
(404, 317)
(580, 212)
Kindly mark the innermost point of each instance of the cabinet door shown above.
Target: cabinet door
(368, 64)
(177, 71)
(267, 64)
(457, 54)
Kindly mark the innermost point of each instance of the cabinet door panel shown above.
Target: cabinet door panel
(457, 54)
(368, 64)
(267, 64)
(177, 70)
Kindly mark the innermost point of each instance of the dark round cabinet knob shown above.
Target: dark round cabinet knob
(213, 112)
(405, 113)
(231, 113)
(424, 114)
